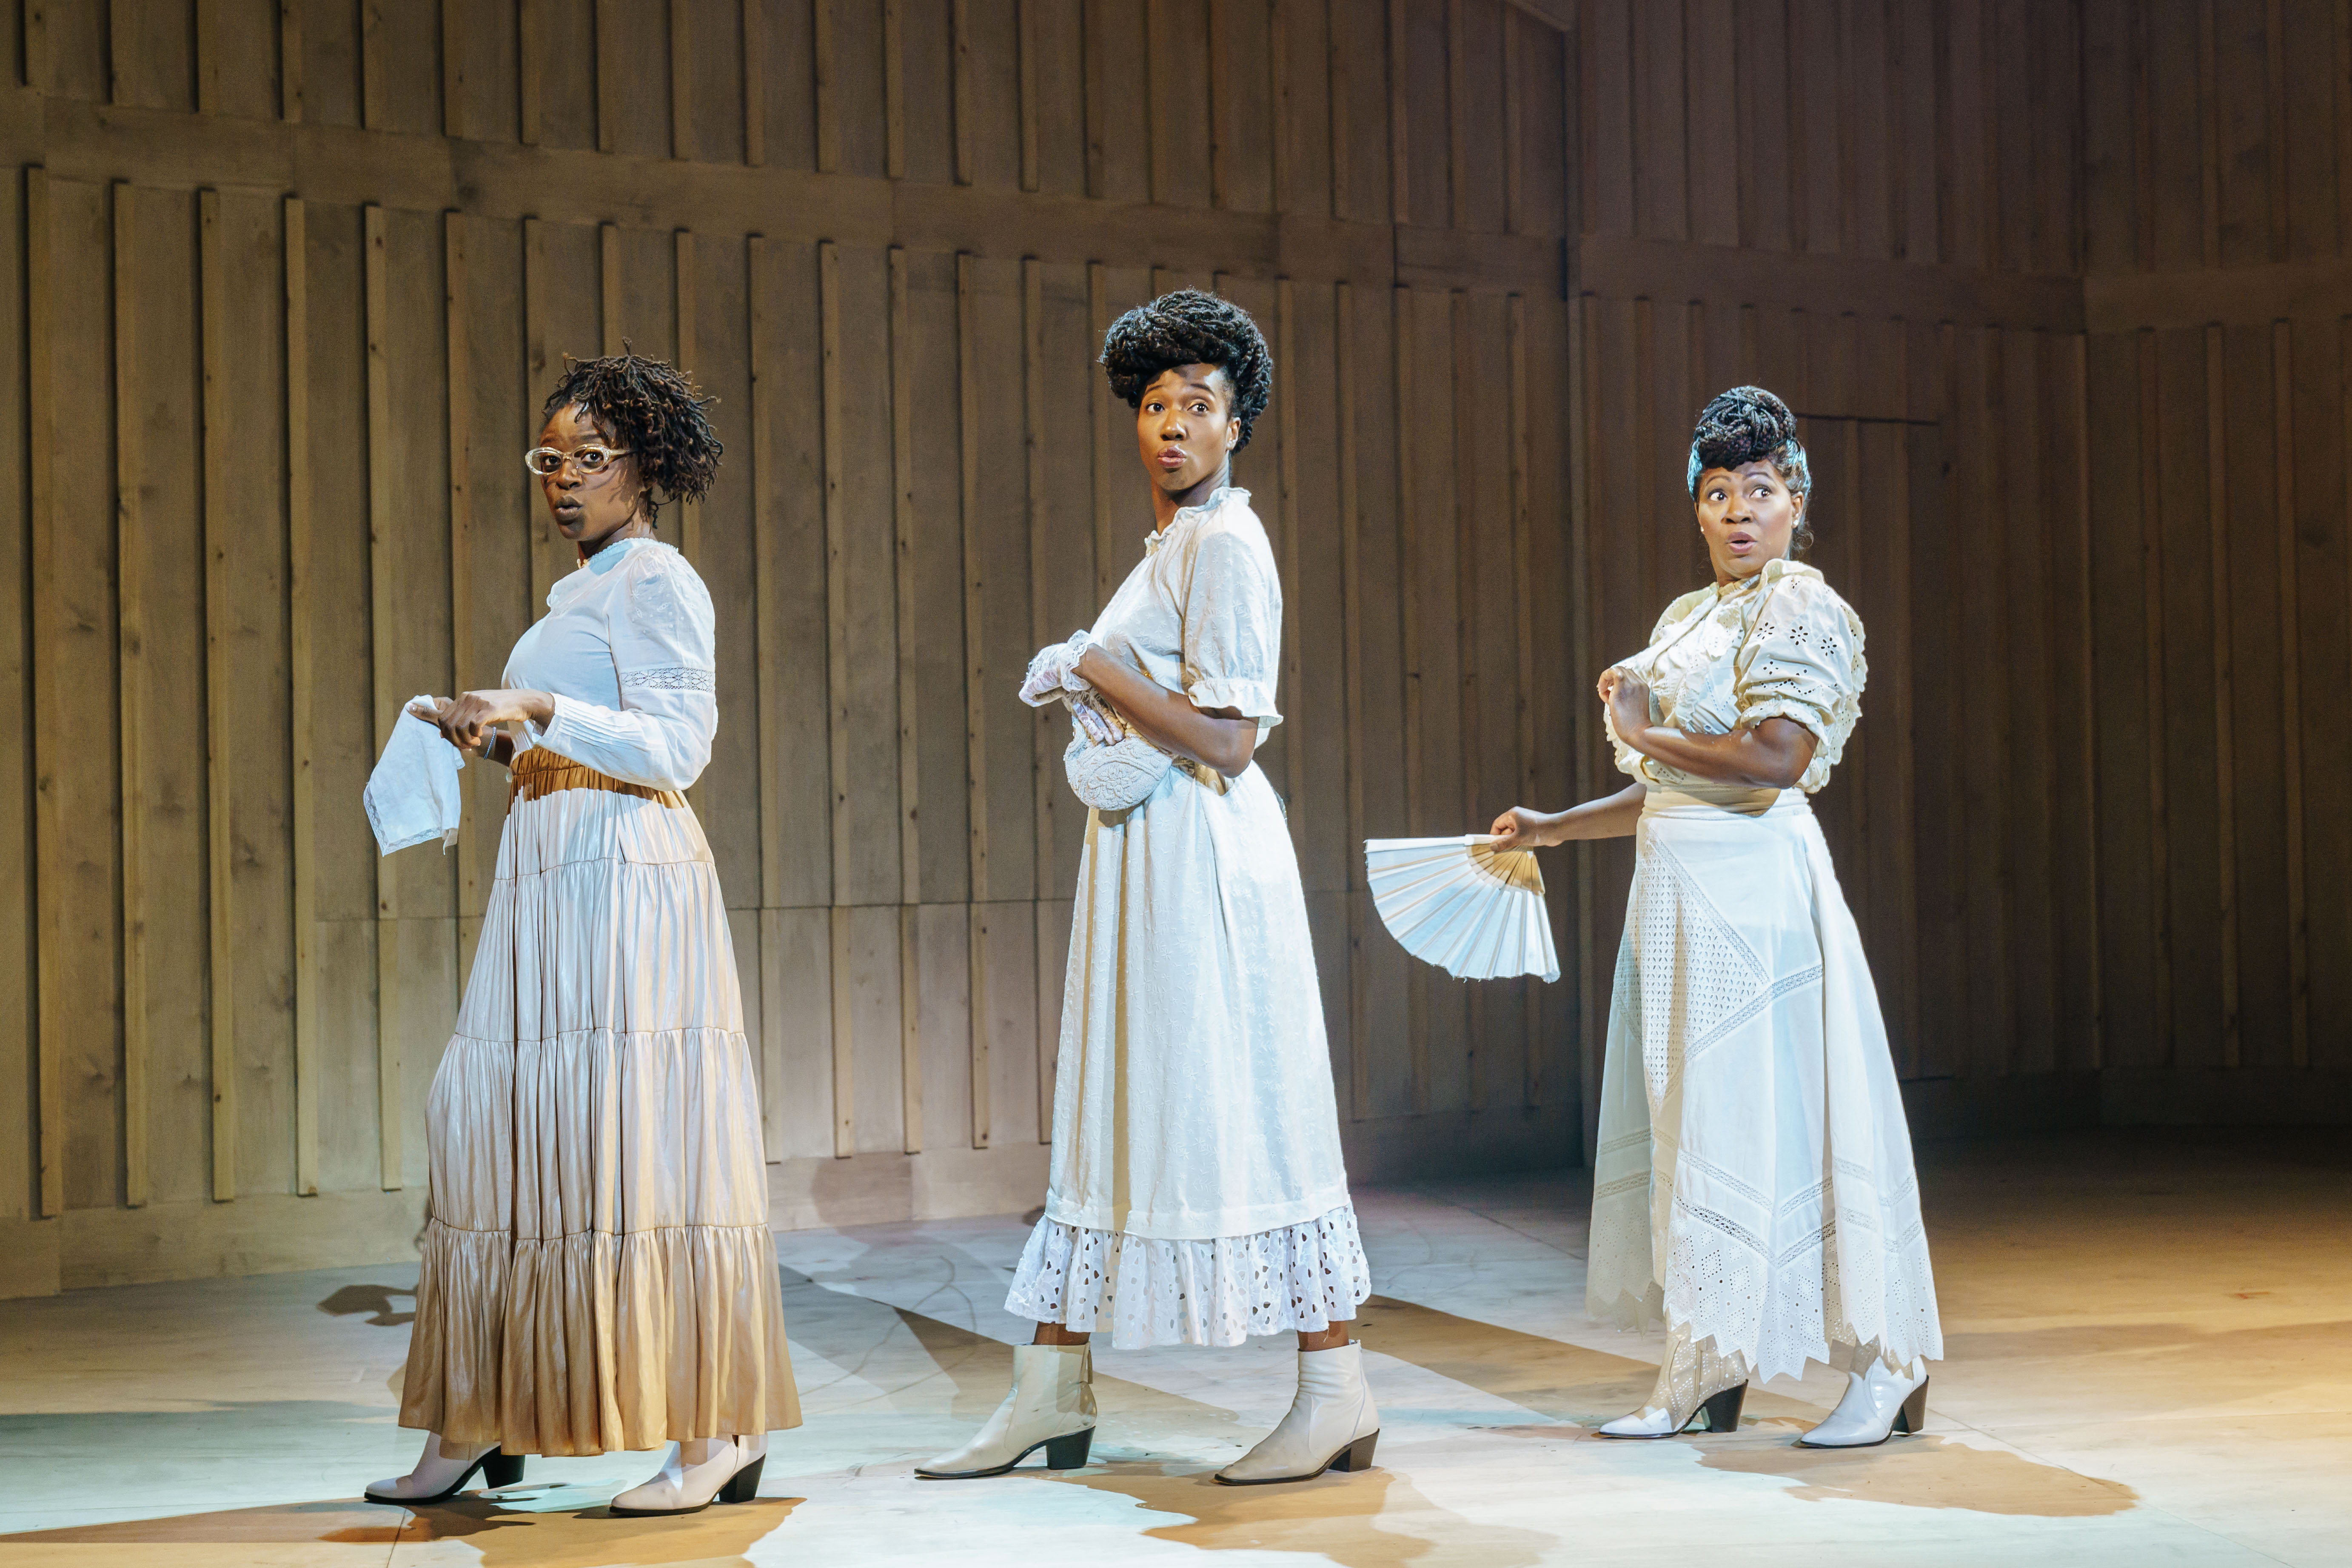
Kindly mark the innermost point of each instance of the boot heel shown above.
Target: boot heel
(1357, 1455)
(500, 1468)
(1069, 1452)
(1913, 1416)
(1722, 1410)
(744, 1484)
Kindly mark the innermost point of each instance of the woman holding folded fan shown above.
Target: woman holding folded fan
(597, 1272)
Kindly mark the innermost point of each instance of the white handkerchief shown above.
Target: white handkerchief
(412, 797)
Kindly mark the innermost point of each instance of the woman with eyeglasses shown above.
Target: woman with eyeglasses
(597, 1269)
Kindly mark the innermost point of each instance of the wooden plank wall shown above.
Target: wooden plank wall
(1891, 245)
(2218, 211)
(283, 289)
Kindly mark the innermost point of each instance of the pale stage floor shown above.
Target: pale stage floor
(2146, 1364)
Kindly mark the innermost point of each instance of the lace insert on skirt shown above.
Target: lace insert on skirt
(1210, 1292)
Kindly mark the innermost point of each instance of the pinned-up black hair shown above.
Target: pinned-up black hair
(1188, 327)
(1747, 424)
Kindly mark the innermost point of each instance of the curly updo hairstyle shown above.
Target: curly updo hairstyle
(1188, 327)
(1744, 424)
(651, 409)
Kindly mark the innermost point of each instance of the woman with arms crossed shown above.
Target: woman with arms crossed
(598, 1272)
(1753, 1185)
(1197, 1194)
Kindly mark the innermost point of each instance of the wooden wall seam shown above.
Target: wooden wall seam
(837, 622)
(302, 786)
(130, 643)
(608, 283)
(974, 686)
(1528, 785)
(220, 1022)
(1352, 595)
(2151, 488)
(527, 85)
(754, 39)
(681, 83)
(1041, 726)
(1026, 45)
(48, 849)
(910, 837)
(1400, 171)
(2224, 696)
(383, 614)
(2290, 643)
(1415, 758)
(609, 67)
(1294, 653)
(826, 42)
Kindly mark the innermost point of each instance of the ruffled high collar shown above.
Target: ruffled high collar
(1217, 498)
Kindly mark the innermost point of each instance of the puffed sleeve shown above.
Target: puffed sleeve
(664, 652)
(1805, 662)
(1232, 626)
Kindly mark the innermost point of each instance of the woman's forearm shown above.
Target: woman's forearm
(1611, 816)
(1773, 754)
(1167, 719)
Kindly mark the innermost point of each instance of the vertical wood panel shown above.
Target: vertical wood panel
(382, 587)
(130, 641)
(219, 735)
(303, 806)
(2290, 688)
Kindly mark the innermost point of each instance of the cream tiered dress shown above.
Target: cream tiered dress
(1753, 1188)
(598, 1272)
(1197, 1195)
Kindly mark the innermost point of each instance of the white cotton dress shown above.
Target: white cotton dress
(1753, 1184)
(1197, 1194)
(598, 1272)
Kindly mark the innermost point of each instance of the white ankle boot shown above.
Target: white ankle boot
(1694, 1379)
(1877, 1404)
(445, 1468)
(1331, 1425)
(1051, 1407)
(698, 1472)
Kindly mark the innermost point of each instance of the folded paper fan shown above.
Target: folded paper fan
(1460, 904)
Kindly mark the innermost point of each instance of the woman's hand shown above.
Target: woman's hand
(1627, 697)
(469, 719)
(1519, 828)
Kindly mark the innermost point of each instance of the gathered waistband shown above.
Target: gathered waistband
(1719, 800)
(539, 772)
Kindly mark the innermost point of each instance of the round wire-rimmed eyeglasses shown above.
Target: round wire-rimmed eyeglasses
(547, 461)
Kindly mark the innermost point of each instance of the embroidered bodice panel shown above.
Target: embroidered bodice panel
(1779, 644)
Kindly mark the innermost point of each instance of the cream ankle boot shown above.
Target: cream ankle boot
(1877, 1404)
(1692, 1380)
(445, 1468)
(1331, 1425)
(699, 1472)
(1051, 1407)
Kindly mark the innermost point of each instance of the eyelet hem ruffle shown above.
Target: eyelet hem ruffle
(1295, 1279)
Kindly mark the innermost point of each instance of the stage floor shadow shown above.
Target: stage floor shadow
(2145, 1366)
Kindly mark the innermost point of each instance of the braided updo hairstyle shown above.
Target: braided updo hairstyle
(1188, 327)
(1746, 424)
(650, 408)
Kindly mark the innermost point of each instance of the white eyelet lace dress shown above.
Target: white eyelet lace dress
(1754, 1182)
(598, 1272)
(1198, 1194)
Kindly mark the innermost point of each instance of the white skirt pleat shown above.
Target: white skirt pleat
(1754, 1180)
(598, 1272)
